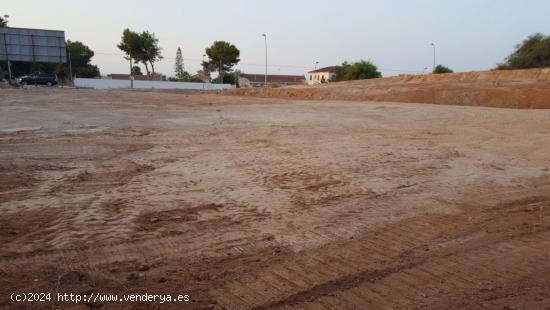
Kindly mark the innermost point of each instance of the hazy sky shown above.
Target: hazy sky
(395, 34)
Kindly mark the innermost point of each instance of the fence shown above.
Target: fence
(112, 84)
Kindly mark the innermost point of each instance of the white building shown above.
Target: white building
(321, 76)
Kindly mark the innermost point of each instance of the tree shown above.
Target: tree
(442, 69)
(136, 70)
(131, 44)
(186, 78)
(178, 66)
(141, 47)
(222, 57)
(151, 50)
(80, 57)
(203, 75)
(533, 52)
(230, 78)
(90, 71)
(4, 21)
(357, 71)
(181, 74)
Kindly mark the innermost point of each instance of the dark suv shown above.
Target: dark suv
(39, 79)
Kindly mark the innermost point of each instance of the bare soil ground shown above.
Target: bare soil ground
(525, 89)
(250, 203)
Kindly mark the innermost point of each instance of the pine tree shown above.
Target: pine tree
(178, 66)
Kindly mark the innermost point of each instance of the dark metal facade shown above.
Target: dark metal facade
(32, 45)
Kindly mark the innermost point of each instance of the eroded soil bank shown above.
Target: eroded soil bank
(523, 89)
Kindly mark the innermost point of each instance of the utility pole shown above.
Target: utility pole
(203, 72)
(7, 56)
(265, 40)
(9, 70)
(70, 63)
(432, 44)
(131, 73)
(6, 16)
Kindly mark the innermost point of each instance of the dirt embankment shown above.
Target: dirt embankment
(525, 89)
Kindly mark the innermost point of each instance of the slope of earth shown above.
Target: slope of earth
(505, 89)
(250, 203)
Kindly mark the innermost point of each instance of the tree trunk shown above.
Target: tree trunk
(147, 69)
(152, 70)
(221, 73)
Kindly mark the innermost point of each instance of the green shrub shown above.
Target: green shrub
(442, 69)
(357, 71)
(533, 52)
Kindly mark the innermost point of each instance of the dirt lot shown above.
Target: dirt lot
(245, 202)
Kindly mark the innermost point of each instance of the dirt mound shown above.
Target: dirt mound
(524, 89)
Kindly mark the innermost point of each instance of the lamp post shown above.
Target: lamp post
(131, 73)
(265, 40)
(432, 44)
(71, 63)
(6, 16)
(204, 76)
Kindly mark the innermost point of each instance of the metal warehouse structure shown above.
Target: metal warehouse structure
(32, 45)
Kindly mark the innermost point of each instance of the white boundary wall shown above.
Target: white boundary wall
(111, 84)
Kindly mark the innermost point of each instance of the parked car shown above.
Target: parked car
(39, 79)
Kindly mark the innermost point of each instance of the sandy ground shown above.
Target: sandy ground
(269, 203)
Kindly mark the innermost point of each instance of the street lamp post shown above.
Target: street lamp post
(6, 16)
(71, 63)
(265, 40)
(432, 44)
(204, 72)
(131, 73)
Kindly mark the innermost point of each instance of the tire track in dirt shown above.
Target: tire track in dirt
(321, 267)
(411, 285)
(421, 257)
(144, 251)
(357, 279)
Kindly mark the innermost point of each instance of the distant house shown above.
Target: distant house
(258, 80)
(118, 76)
(322, 75)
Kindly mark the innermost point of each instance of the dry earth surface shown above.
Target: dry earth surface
(251, 203)
(524, 89)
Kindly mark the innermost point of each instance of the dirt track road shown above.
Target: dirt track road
(263, 203)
